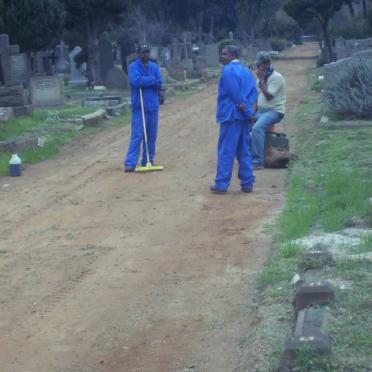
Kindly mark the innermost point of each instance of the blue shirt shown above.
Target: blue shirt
(237, 85)
(148, 78)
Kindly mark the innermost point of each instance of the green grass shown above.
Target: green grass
(329, 185)
(45, 122)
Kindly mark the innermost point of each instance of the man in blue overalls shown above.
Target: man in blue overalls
(143, 74)
(237, 95)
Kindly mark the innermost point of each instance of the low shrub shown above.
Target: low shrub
(277, 44)
(350, 91)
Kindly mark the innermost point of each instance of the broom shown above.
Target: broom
(148, 167)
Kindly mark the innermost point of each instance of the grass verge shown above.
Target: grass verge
(46, 122)
(329, 187)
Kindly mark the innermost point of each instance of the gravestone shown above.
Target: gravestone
(105, 56)
(164, 74)
(131, 58)
(76, 75)
(117, 78)
(212, 56)
(20, 68)
(176, 71)
(46, 91)
(165, 56)
(11, 68)
(61, 64)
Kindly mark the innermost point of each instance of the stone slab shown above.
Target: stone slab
(22, 110)
(94, 119)
(11, 91)
(313, 293)
(119, 109)
(18, 144)
(6, 113)
(11, 101)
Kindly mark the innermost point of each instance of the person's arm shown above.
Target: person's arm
(158, 78)
(139, 81)
(269, 90)
(231, 85)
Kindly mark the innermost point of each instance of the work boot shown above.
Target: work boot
(216, 190)
(247, 189)
(129, 168)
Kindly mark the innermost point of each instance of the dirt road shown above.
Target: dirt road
(106, 271)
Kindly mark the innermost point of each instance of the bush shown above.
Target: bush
(349, 92)
(225, 42)
(277, 44)
(358, 29)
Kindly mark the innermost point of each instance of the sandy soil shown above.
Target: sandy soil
(106, 271)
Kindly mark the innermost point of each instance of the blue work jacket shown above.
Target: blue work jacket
(237, 85)
(148, 78)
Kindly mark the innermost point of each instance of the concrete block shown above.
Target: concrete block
(316, 259)
(313, 293)
(94, 119)
(310, 334)
(119, 109)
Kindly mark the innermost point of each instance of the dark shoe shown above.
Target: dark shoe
(215, 190)
(247, 189)
(129, 169)
(258, 167)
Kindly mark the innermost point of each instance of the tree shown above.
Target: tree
(33, 25)
(256, 15)
(304, 11)
(90, 18)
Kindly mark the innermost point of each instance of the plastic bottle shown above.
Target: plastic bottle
(15, 166)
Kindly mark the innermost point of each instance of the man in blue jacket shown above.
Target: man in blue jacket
(143, 74)
(237, 95)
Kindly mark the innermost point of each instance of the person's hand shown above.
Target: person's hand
(242, 107)
(260, 74)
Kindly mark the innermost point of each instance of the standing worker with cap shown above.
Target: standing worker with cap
(145, 80)
(271, 105)
(236, 96)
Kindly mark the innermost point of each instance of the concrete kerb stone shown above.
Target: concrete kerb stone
(313, 293)
(118, 110)
(310, 335)
(94, 119)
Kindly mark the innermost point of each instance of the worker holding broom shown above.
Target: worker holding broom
(236, 97)
(145, 84)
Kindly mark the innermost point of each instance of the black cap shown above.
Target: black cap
(143, 48)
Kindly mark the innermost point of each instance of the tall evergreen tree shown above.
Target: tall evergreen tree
(33, 25)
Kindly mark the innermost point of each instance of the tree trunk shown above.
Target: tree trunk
(211, 28)
(351, 8)
(365, 12)
(327, 41)
(91, 35)
(200, 26)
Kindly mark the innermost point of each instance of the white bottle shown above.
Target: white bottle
(15, 166)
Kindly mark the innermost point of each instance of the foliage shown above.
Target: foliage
(350, 92)
(33, 25)
(225, 42)
(277, 43)
(286, 27)
(303, 11)
(358, 28)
